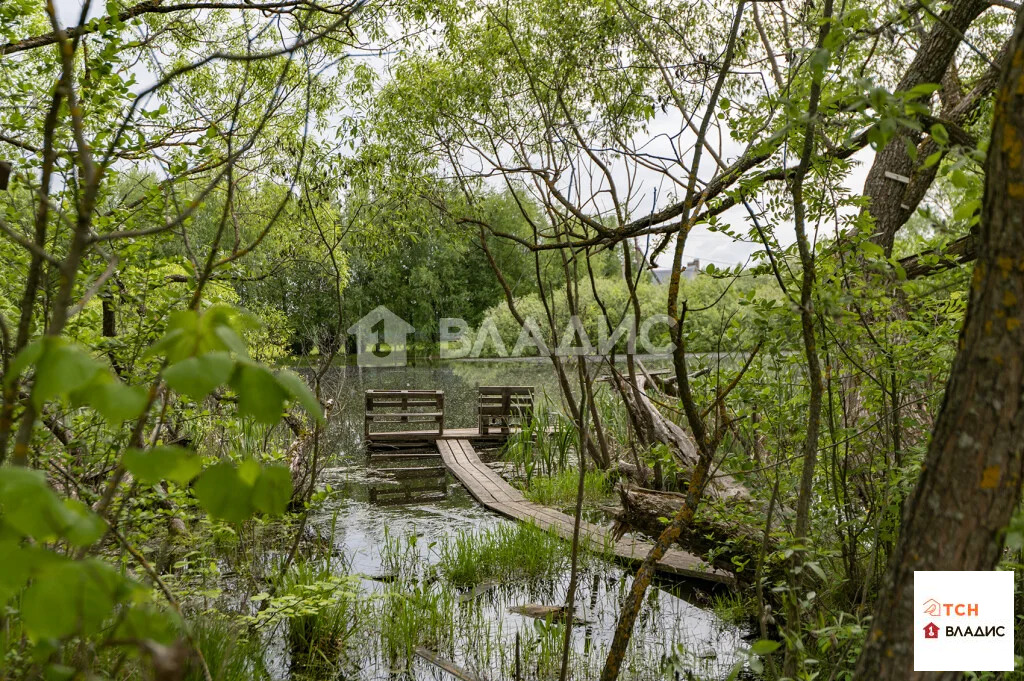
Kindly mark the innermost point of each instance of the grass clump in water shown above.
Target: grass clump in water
(543, 446)
(322, 613)
(508, 551)
(559, 490)
(412, 615)
(230, 654)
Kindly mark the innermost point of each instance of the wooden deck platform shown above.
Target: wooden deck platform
(431, 435)
(491, 490)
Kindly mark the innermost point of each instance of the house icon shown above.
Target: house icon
(381, 338)
(932, 607)
(931, 630)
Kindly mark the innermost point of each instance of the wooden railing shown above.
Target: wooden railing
(397, 410)
(503, 407)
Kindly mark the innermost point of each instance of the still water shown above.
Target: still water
(676, 619)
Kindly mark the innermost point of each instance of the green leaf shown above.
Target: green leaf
(273, 490)
(115, 401)
(300, 392)
(260, 395)
(28, 356)
(764, 647)
(85, 527)
(230, 340)
(162, 463)
(965, 211)
(871, 248)
(196, 377)
(15, 569)
(61, 370)
(819, 61)
(249, 471)
(223, 493)
(959, 179)
(940, 134)
(922, 90)
(30, 507)
(74, 597)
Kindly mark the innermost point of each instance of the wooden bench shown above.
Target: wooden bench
(503, 407)
(400, 411)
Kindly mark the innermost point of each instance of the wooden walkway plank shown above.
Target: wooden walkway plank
(494, 492)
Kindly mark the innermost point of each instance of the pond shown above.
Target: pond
(677, 624)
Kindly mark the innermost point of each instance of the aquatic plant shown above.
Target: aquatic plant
(411, 615)
(508, 550)
(560, 489)
(322, 612)
(400, 556)
(543, 445)
(230, 653)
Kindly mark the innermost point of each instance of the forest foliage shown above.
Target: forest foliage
(196, 197)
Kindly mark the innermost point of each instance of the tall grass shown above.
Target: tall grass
(542, 446)
(614, 417)
(560, 489)
(400, 556)
(509, 551)
(230, 654)
(416, 614)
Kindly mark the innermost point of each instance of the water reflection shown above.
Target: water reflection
(363, 521)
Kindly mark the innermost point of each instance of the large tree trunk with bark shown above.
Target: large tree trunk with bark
(971, 479)
(892, 184)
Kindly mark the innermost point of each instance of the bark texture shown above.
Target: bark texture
(653, 428)
(892, 201)
(725, 539)
(971, 478)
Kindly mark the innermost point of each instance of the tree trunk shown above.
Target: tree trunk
(892, 201)
(652, 428)
(729, 539)
(971, 479)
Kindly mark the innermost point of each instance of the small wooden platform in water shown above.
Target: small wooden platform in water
(491, 490)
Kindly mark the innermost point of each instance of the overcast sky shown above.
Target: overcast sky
(651, 189)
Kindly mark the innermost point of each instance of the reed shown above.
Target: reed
(508, 551)
(560, 489)
(543, 446)
(230, 653)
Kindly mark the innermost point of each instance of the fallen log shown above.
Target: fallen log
(447, 665)
(730, 543)
(550, 613)
(653, 428)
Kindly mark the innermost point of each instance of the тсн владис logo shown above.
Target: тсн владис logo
(934, 608)
(963, 621)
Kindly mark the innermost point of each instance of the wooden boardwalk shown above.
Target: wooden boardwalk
(491, 490)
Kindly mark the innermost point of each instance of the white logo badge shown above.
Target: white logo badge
(963, 621)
